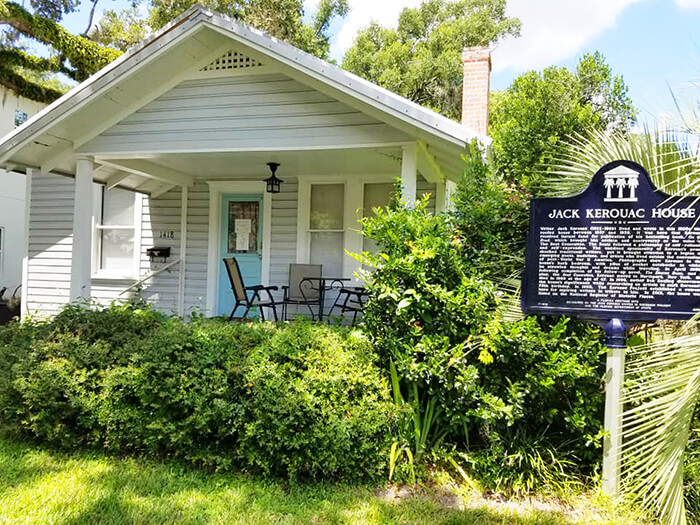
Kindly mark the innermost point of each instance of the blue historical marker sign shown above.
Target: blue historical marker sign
(621, 249)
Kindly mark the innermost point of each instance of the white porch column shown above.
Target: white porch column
(444, 192)
(81, 269)
(25, 255)
(409, 173)
(450, 188)
(440, 196)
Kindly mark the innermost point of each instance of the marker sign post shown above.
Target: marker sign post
(619, 253)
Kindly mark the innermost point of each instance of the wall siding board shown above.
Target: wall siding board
(254, 111)
(50, 243)
(423, 187)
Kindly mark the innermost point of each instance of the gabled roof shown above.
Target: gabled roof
(120, 88)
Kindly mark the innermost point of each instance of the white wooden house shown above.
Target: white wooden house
(168, 147)
(14, 111)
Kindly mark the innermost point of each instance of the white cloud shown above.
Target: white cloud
(555, 30)
(362, 12)
(688, 4)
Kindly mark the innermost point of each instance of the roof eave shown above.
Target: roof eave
(316, 68)
(101, 79)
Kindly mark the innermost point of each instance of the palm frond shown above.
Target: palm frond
(509, 289)
(661, 391)
(671, 164)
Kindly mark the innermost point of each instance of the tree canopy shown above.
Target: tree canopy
(282, 19)
(421, 58)
(79, 56)
(529, 119)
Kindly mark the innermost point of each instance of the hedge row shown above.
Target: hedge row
(295, 400)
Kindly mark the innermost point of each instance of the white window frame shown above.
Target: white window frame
(353, 203)
(97, 273)
(2, 249)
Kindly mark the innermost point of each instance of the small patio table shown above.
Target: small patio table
(322, 285)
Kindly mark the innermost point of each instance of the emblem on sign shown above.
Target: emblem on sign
(621, 184)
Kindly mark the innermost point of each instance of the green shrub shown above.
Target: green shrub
(312, 412)
(291, 400)
(471, 380)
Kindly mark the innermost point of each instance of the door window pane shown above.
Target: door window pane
(327, 202)
(327, 250)
(243, 227)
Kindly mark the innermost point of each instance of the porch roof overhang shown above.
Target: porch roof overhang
(51, 139)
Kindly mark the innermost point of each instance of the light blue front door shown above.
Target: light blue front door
(241, 237)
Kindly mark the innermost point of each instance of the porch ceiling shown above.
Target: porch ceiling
(252, 165)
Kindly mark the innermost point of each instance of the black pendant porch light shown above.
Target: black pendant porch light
(273, 183)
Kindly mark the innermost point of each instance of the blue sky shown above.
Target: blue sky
(654, 44)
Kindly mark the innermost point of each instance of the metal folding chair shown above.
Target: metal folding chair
(301, 291)
(240, 292)
(350, 300)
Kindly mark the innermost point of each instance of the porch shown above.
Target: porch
(313, 219)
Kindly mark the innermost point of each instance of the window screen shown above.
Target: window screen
(116, 232)
(376, 195)
(20, 117)
(326, 227)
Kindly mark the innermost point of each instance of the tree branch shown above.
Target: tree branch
(16, 57)
(85, 56)
(27, 88)
(92, 16)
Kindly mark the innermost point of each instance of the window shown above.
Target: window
(20, 117)
(116, 222)
(326, 231)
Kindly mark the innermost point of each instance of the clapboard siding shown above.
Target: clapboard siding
(197, 248)
(159, 217)
(243, 112)
(50, 241)
(163, 214)
(423, 187)
(283, 232)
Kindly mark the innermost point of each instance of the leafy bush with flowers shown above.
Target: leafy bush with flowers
(487, 389)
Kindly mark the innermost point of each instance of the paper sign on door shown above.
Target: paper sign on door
(243, 228)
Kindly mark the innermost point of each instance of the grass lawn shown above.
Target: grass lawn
(42, 486)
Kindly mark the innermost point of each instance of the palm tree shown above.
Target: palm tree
(633, 184)
(609, 183)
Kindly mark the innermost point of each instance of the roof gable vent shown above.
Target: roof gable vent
(231, 60)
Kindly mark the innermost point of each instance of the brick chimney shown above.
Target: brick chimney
(476, 62)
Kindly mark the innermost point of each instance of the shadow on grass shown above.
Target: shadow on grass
(41, 486)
